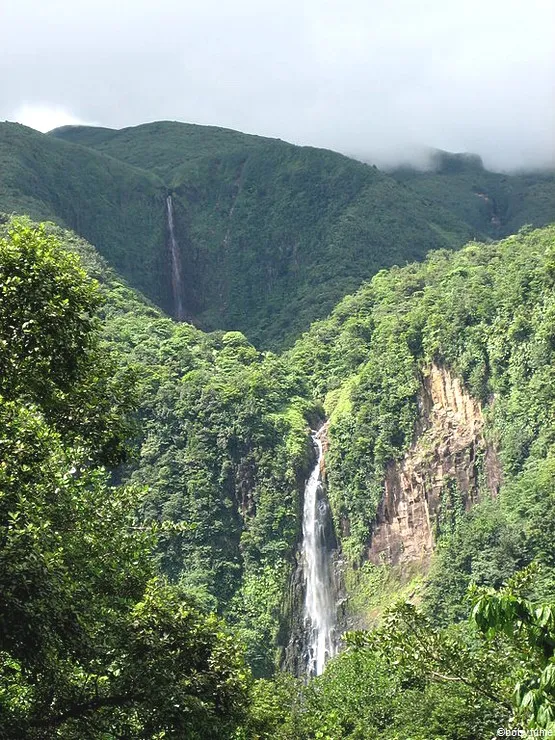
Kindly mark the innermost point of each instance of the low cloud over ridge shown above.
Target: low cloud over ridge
(379, 80)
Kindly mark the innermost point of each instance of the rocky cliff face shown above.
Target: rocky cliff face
(449, 465)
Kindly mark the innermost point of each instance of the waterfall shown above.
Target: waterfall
(177, 281)
(320, 608)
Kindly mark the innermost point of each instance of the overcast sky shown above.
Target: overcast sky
(368, 77)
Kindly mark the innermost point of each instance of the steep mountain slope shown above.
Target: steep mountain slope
(117, 207)
(439, 383)
(269, 235)
(493, 204)
(272, 235)
(255, 211)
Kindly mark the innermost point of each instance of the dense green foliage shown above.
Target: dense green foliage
(530, 630)
(486, 312)
(92, 639)
(220, 443)
(403, 680)
(489, 675)
(271, 236)
(112, 580)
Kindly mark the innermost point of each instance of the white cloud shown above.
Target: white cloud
(377, 77)
(45, 117)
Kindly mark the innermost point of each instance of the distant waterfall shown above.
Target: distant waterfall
(320, 607)
(177, 281)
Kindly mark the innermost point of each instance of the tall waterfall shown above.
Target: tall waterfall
(320, 608)
(177, 281)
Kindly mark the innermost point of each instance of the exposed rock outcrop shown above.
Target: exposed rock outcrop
(449, 464)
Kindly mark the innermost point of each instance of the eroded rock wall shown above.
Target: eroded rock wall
(449, 454)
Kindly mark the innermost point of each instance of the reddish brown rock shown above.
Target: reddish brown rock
(449, 449)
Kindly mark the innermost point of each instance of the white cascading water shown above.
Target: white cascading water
(320, 609)
(177, 282)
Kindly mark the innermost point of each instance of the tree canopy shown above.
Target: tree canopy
(92, 639)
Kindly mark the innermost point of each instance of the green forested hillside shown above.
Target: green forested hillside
(117, 207)
(207, 440)
(306, 224)
(486, 312)
(493, 204)
(270, 235)
(152, 473)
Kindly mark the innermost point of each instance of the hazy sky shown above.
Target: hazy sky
(368, 77)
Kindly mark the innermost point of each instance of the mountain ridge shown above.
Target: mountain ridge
(270, 235)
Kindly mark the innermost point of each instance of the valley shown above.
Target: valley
(197, 304)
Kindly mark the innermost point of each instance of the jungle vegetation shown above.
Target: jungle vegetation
(271, 236)
(151, 473)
